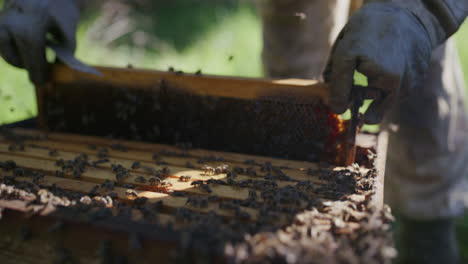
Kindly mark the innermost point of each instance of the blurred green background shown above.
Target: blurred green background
(218, 37)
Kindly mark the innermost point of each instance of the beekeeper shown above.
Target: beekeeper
(403, 48)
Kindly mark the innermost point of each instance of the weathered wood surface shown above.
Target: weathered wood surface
(35, 154)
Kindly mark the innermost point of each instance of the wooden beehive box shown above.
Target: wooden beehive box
(79, 198)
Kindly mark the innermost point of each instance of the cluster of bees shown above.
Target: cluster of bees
(210, 171)
(264, 195)
(76, 166)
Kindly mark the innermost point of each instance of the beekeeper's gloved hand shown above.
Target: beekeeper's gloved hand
(391, 43)
(27, 26)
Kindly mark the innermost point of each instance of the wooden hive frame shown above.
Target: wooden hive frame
(290, 91)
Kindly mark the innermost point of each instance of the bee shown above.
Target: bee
(251, 171)
(53, 153)
(183, 214)
(269, 177)
(208, 170)
(131, 193)
(37, 177)
(184, 178)
(113, 195)
(140, 201)
(108, 185)
(85, 200)
(140, 179)
(82, 157)
(103, 153)
(18, 172)
(206, 188)
(197, 183)
(231, 175)
(116, 167)
(238, 170)
(178, 194)
(267, 167)
(120, 171)
(231, 182)
(213, 198)
(8, 165)
(161, 163)
(121, 175)
(252, 195)
(8, 180)
(154, 181)
(136, 165)
(214, 181)
(165, 171)
(221, 169)
(199, 202)
(94, 190)
(243, 215)
(60, 163)
(165, 184)
(77, 173)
